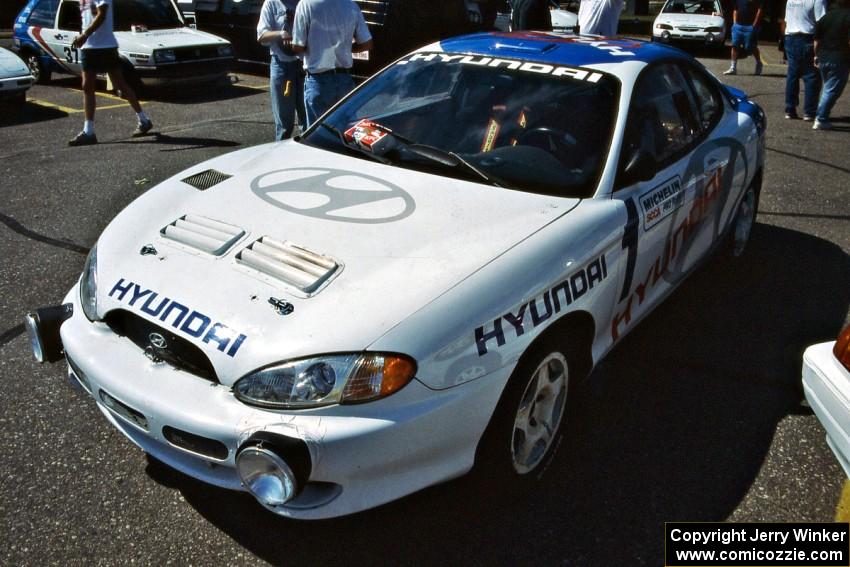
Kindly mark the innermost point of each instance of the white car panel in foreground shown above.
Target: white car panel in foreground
(826, 383)
(417, 283)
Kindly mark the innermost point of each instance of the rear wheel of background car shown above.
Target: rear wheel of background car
(37, 70)
(529, 423)
(742, 223)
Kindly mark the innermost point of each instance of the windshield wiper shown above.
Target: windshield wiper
(355, 147)
(443, 157)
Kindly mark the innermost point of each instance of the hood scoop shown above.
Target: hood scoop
(285, 262)
(202, 234)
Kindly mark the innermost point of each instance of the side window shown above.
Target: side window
(69, 16)
(43, 15)
(661, 121)
(708, 101)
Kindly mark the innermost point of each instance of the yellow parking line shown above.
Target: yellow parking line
(114, 106)
(842, 511)
(255, 87)
(46, 104)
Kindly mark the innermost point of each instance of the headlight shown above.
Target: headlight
(165, 56)
(333, 379)
(88, 285)
(664, 26)
(225, 50)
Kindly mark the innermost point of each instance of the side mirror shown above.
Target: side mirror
(639, 167)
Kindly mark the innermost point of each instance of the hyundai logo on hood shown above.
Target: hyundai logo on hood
(371, 200)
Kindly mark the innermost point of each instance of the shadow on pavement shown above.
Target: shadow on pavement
(189, 142)
(675, 426)
(30, 113)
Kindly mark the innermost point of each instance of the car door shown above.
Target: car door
(68, 26)
(659, 187)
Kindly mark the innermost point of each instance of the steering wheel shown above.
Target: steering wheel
(555, 141)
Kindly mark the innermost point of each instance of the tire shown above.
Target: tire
(741, 227)
(527, 427)
(37, 68)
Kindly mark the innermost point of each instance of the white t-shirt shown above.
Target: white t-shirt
(103, 37)
(277, 15)
(326, 28)
(801, 15)
(599, 17)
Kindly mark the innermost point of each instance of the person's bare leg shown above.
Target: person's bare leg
(117, 78)
(89, 100)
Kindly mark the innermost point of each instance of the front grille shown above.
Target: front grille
(178, 352)
(206, 179)
(195, 443)
(193, 53)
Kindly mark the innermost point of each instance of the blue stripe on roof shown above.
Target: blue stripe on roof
(560, 48)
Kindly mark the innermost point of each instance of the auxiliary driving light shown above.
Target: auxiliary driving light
(42, 327)
(266, 476)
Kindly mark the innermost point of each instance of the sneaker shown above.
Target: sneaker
(142, 128)
(83, 139)
(759, 67)
(808, 117)
(791, 116)
(822, 125)
(730, 71)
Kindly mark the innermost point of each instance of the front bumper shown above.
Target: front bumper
(186, 72)
(362, 455)
(675, 35)
(826, 385)
(13, 86)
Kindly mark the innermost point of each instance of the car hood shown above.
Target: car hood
(11, 65)
(166, 39)
(399, 238)
(696, 20)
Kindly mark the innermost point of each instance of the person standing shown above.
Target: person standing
(286, 77)
(531, 15)
(599, 17)
(832, 56)
(799, 37)
(323, 32)
(99, 54)
(746, 18)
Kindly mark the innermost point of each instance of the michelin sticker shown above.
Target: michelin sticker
(661, 201)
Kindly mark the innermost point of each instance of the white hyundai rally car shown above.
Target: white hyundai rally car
(418, 282)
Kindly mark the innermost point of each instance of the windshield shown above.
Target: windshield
(153, 14)
(704, 7)
(529, 126)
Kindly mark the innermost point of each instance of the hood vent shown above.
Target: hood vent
(207, 235)
(206, 179)
(289, 263)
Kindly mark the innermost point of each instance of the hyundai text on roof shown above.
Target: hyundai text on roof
(154, 42)
(419, 282)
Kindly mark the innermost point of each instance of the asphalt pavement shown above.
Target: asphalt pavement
(696, 416)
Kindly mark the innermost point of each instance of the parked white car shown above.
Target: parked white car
(418, 282)
(693, 21)
(154, 42)
(563, 21)
(826, 384)
(15, 78)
